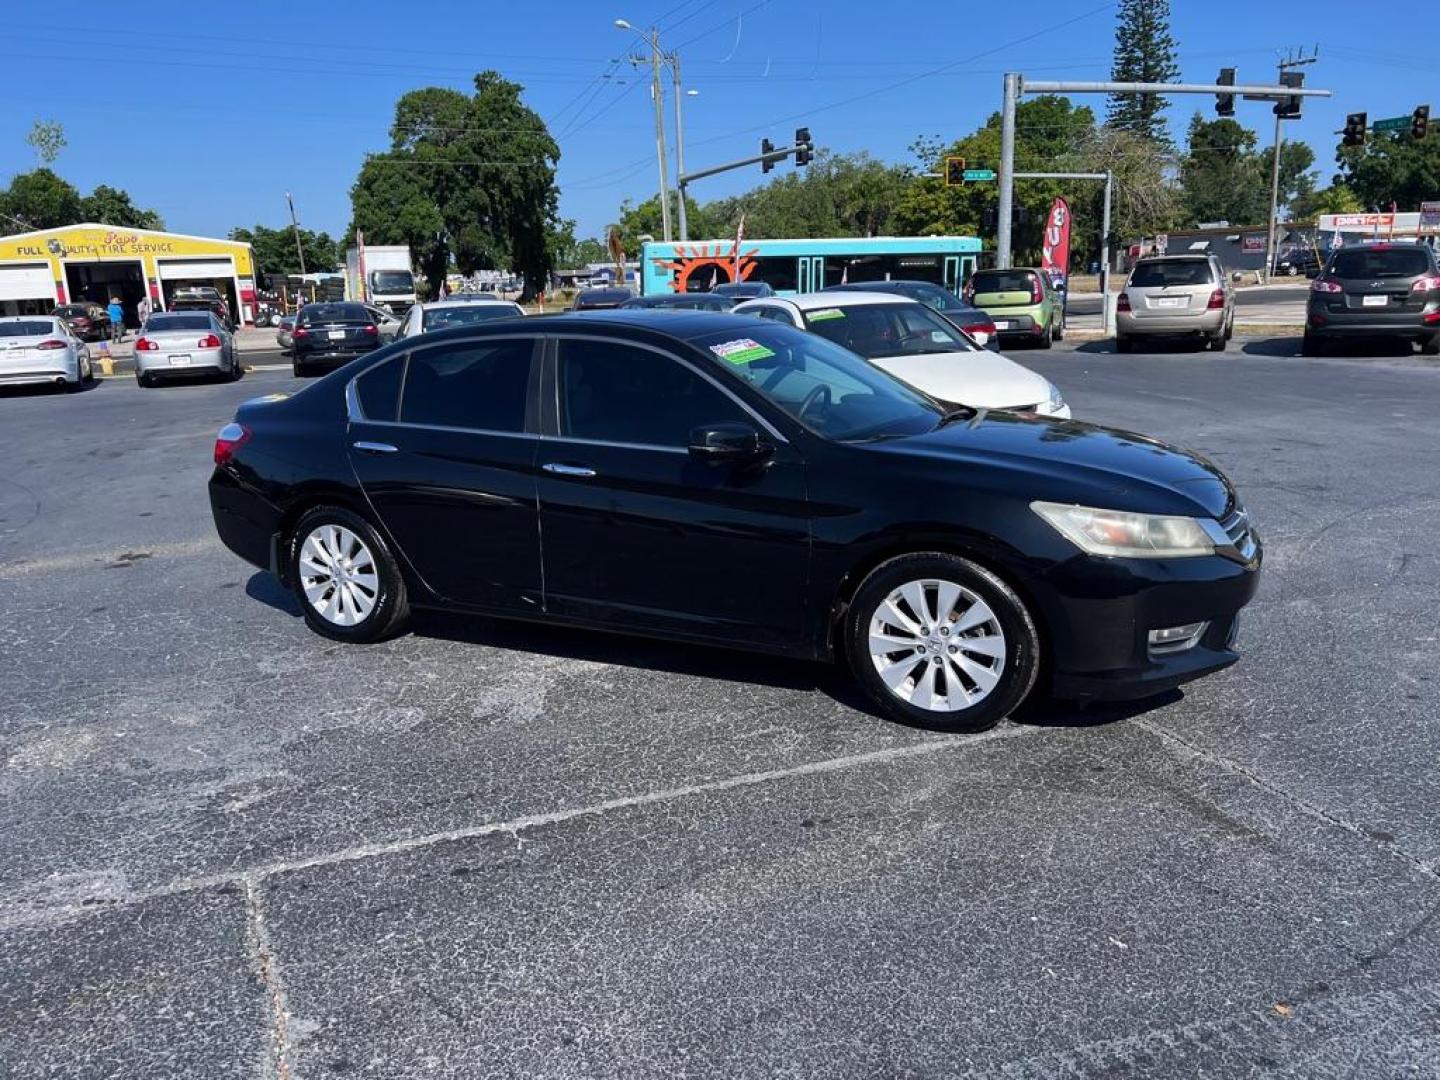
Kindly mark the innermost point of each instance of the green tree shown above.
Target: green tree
(1224, 177)
(1392, 168)
(1335, 199)
(1144, 52)
(275, 249)
(1048, 129)
(113, 206)
(47, 138)
(468, 179)
(1144, 202)
(644, 220)
(40, 200)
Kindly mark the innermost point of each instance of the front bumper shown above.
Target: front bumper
(1207, 322)
(1100, 613)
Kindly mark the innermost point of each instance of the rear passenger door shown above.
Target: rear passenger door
(443, 441)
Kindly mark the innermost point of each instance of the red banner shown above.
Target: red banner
(1055, 252)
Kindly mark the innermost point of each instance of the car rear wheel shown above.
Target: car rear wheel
(940, 642)
(1217, 341)
(1431, 346)
(1124, 344)
(298, 368)
(1310, 345)
(348, 583)
(1046, 337)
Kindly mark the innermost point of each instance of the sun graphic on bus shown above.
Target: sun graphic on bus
(706, 264)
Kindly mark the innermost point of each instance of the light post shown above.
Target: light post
(657, 94)
(681, 222)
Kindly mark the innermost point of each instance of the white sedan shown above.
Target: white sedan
(41, 350)
(910, 341)
(441, 314)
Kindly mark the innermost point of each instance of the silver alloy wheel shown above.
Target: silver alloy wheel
(338, 575)
(937, 645)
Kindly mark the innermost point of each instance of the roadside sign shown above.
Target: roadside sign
(1430, 217)
(1391, 123)
(973, 175)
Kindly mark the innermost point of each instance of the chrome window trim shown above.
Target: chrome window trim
(454, 430)
(744, 407)
(616, 445)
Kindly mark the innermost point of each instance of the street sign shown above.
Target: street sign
(1391, 123)
(1430, 217)
(973, 175)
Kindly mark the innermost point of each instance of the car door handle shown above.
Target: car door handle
(568, 470)
(375, 447)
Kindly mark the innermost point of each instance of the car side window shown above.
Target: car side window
(778, 314)
(469, 384)
(612, 391)
(379, 390)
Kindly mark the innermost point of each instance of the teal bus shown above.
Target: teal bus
(802, 266)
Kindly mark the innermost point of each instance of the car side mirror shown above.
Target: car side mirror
(729, 442)
(1237, 277)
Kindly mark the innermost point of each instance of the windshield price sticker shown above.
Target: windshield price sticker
(826, 313)
(741, 351)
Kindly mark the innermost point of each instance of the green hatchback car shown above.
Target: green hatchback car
(1022, 302)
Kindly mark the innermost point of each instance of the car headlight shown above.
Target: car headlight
(1121, 534)
(1057, 400)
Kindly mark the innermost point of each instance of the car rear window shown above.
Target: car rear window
(159, 323)
(322, 314)
(1161, 275)
(26, 329)
(1380, 263)
(993, 281)
(440, 318)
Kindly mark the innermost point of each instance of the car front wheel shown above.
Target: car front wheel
(348, 583)
(940, 642)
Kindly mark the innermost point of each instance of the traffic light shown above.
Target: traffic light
(766, 147)
(804, 148)
(1288, 108)
(954, 172)
(1225, 103)
(1419, 121)
(1354, 133)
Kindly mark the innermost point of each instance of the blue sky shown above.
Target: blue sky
(211, 112)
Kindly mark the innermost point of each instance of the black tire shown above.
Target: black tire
(1060, 330)
(1217, 341)
(392, 607)
(144, 380)
(298, 368)
(1310, 345)
(236, 370)
(1021, 662)
(1431, 347)
(1124, 344)
(1046, 337)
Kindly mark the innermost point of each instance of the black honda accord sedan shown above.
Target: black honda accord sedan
(729, 481)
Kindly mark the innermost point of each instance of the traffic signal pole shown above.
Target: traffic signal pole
(1280, 114)
(1107, 311)
(1016, 86)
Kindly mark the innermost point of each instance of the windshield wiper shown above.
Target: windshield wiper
(950, 415)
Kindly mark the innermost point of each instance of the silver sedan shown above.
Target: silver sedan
(38, 350)
(181, 343)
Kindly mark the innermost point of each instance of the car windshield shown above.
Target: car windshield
(160, 323)
(1380, 263)
(26, 329)
(997, 281)
(320, 314)
(828, 389)
(71, 309)
(392, 281)
(874, 330)
(1161, 275)
(439, 318)
(741, 290)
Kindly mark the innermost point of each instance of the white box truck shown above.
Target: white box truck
(388, 281)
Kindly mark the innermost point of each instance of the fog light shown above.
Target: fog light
(1173, 639)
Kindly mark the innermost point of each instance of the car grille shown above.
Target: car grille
(1242, 535)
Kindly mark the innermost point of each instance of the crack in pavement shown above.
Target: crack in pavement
(251, 878)
(277, 1054)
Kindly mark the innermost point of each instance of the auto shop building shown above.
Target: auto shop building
(41, 270)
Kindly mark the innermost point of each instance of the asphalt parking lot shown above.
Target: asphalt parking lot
(232, 848)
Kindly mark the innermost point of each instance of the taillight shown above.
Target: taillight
(1321, 285)
(1123, 302)
(51, 343)
(209, 341)
(230, 438)
(983, 329)
(1036, 293)
(146, 345)
(1425, 284)
(299, 333)
(370, 328)
(1430, 318)
(1217, 300)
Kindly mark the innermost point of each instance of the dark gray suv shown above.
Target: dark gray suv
(1378, 290)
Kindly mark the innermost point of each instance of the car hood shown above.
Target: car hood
(1071, 461)
(981, 379)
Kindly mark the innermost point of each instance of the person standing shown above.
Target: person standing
(143, 309)
(117, 319)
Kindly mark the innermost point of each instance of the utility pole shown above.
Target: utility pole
(1016, 86)
(682, 225)
(657, 95)
(1280, 114)
(295, 224)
